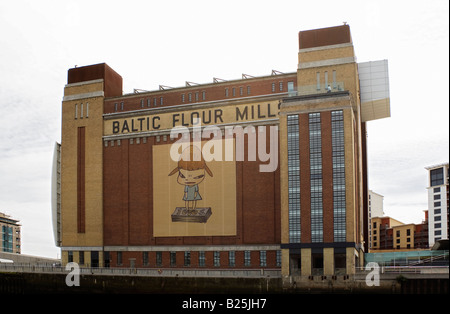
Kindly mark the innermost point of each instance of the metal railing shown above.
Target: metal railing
(151, 272)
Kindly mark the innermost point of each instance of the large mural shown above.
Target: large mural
(192, 196)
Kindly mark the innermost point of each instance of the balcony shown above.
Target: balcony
(323, 88)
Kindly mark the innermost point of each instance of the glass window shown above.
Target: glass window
(278, 258)
(81, 257)
(158, 258)
(187, 258)
(315, 159)
(293, 178)
(216, 258)
(232, 258)
(318, 80)
(119, 258)
(262, 258)
(247, 261)
(338, 160)
(70, 256)
(437, 177)
(173, 259)
(201, 258)
(145, 258)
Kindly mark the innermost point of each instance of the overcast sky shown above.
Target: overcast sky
(170, 42)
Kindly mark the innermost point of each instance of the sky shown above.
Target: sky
(152, 43)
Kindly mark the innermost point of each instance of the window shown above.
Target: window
(375, 224)
(437, 190)
(334, 80)
(315, 159)
(81, 257)
(293, 178)
(158, 258)
(187, 258)
(397, 233)
(437, 232)
(116, 106)
(437, 204)
(247, 261)
(183, 97)
(190, 97)
(234, 91)
(121, 105)
(142, 103)
(161, 101)
(318, 80)
(119, 258)
(70, 256)
(438, 225)
(437, 177)
(216, 258)
(281, 86)
(262, 258)
(273, 87)
(145, 258)
(437, 196)
(196, 96)
(338, 160)
(201, 258)
(203, 95)
(408, 232)
(437, 218)
(279, 258)
(232, 258)
(248, 90)
(226, 92)
(437, 211)
(173, 259)
(154, 102)
(241, 91)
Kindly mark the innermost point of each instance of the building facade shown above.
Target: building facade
(375, 210)
(260, 172)
(438, 202)
(391, 234)
(10, 234)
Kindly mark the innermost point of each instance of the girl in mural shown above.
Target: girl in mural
(191, 172)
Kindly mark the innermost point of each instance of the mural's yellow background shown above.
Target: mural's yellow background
(217, 192)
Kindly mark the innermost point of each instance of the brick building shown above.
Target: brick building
(259, 172)
(10, 234)
(391, 234)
